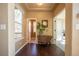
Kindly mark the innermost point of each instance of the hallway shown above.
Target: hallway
(15, 27)
(40, 50)
(37, 29)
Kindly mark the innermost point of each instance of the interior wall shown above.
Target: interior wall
(68, 30)
(58, 9)
(4, 33)
(11, 41)
(41, 15)
(75, 30)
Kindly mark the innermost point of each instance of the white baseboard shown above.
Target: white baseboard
(20, 48)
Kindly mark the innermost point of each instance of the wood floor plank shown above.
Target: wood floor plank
(40, 50)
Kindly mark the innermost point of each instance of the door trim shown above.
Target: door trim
(28, 19)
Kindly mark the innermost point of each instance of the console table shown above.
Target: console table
(44, 39)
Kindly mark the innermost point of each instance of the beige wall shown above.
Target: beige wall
(68, 30)
(72, 34)
(7, 42)
(75, 32)
(58, 9)
(39, 15)
(4, 33)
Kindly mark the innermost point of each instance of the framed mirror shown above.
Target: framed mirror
(45, 23)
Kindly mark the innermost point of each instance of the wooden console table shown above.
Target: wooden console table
(44, 39)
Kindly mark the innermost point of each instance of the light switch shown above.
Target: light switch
(77, 26)
(2, 26)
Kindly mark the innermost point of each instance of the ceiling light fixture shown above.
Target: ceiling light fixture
(40, 4)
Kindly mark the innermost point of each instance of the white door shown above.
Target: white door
(60, 30)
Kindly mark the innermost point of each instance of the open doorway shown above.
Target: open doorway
(59, 30)
(32, 30)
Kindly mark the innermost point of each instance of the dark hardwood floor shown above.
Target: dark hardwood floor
(40, 50)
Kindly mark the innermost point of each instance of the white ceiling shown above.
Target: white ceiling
(43, 7)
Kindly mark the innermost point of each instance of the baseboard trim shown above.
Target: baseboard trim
(20, 48)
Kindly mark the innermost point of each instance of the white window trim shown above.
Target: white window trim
(18, 38)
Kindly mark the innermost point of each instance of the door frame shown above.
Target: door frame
(54, 30)
(28, 19)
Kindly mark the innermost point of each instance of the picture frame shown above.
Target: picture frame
(45, 23)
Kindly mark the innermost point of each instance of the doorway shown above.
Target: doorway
(59, 30)
(32, 31)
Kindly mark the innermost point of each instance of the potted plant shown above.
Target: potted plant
(40, 28)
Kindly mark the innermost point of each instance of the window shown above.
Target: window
(18, 21)
(18, 24)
